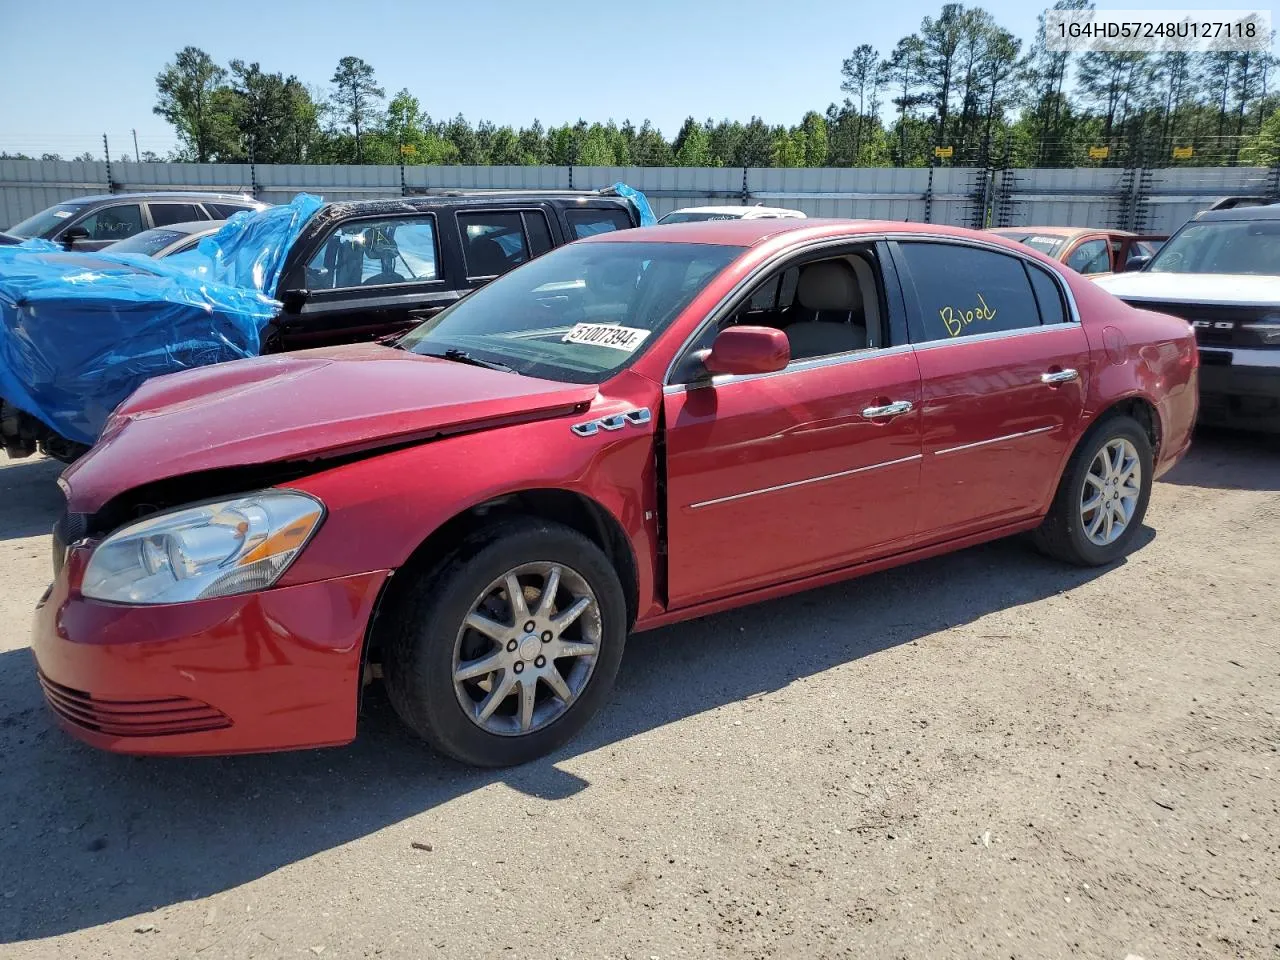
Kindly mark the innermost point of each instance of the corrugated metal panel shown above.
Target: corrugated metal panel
(1075, 197)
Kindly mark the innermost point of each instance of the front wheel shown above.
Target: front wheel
(1102, 496)
(506, 649)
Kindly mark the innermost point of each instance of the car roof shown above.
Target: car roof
(163, 195)
(1265, 212)
(735, 208)
(748, 233)
(1063, 231)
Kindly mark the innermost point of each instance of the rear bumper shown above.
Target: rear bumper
(1240, 388)
(276, 670)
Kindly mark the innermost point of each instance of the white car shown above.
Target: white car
(1221, 272)
(691, 214)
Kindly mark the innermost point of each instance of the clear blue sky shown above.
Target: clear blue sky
(74, 69)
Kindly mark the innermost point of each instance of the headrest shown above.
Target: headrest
(829, 285)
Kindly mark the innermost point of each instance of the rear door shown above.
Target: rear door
(1004, 368)
(164, 213)
(496, 241)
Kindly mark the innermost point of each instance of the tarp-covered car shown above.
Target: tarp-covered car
(80, 332)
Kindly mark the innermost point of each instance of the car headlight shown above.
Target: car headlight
(209, 550)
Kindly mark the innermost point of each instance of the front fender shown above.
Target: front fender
(382, 508)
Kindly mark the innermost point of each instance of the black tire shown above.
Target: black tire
(1062, 534)
(427, 612)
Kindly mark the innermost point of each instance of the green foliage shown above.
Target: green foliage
(960, 81)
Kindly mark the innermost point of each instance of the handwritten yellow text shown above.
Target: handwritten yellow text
(955, 320)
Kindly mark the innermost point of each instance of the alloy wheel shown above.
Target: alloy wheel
(527, 649)
(1111, 491)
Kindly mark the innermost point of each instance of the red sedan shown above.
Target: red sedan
(639, 428)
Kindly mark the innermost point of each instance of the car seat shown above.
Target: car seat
(828, 313)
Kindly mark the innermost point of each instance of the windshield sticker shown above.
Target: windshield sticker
(956, 320)
(606, 335)
(1048, 241)
(62, 214)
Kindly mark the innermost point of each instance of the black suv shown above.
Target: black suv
(1221, 272)
(90, 223)
(365, 269)
(373, 269)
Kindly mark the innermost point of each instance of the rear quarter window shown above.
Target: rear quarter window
(589, 222)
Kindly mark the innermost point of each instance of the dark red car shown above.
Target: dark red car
(639, 428)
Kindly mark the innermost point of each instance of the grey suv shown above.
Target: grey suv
(90, 223)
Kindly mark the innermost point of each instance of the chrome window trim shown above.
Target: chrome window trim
(1063, 286)
(716, 312)
(800, 483)
(995, 335)
(800, 366)
(983, 443)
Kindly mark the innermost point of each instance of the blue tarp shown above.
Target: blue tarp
(79, 332)
(639, 201)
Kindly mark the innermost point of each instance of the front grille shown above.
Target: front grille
(132, 718)
(1217, 326)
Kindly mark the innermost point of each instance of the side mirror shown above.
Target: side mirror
(292, 300)
(743, 350)
(1136, 262)
(73, 235)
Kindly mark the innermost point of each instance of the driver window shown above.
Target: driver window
(825, 307)
(113, 223)
(370, 253)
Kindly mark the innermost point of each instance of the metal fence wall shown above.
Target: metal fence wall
(1154, 200)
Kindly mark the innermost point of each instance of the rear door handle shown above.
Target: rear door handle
(888, 410)
(1059, 376)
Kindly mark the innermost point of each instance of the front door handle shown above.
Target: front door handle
(1059, 376)
(888, 410)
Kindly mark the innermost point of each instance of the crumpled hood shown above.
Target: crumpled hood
(307, 405)
(1227, 289)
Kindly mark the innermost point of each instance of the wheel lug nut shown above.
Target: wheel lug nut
(519, 667)
(511, 646)
(540, 662)
(528, 627)
(546, 636)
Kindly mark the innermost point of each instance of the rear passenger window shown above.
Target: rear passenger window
(1048, 295)
(535, 224)
(589, 222)
(492, 243)
(965, 291)
(223, 211)
(164, 214)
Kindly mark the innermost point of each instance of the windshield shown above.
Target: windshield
(46, 222)
(1043, 242)
(579, 313)
(689, 216)
(1225, 246)
(149, 242)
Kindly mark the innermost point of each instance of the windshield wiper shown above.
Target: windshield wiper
(461, 356)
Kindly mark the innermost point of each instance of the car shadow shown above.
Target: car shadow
(88, 837)
(1229, 460)
(29, 497)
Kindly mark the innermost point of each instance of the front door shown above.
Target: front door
(1004, 370)
(367, 279)
(778, 476)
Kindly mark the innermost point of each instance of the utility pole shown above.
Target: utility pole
(137, 155)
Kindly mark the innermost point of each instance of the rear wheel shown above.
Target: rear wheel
(506, 649)
(1102, 497)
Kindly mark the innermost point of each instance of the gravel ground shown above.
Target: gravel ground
(984, 755)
